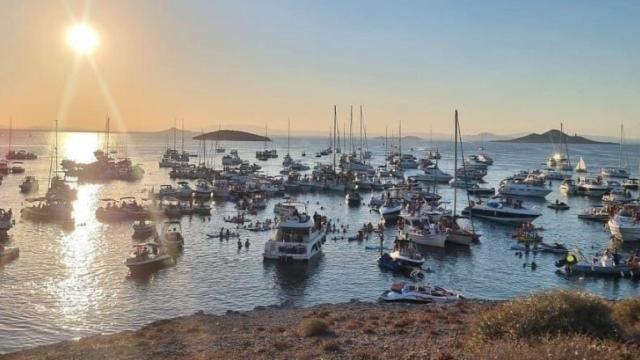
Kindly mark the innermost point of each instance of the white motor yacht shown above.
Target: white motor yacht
(503, 210)
(591, 187)
(390, 209)
(632, 183)
(625, 225)
(530, 187)
(568, 186)
(298, 237)
(434, 174)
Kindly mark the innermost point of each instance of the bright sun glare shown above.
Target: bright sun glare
(83, 39)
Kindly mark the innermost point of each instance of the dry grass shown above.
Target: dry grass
(542, 315)
(313, 327)
(627, 314)
(557, 348)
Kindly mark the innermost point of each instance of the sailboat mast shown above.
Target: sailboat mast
(288, 135)
(107, 137)
(183, 136)
(620, 147)
(10, 132)
(386, 136)
(351, 132)
(360, 143)
(400, 137)
(455, 164)
(335, 120)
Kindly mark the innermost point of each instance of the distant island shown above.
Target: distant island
(409, 137)
(231, 135)
(553, 137)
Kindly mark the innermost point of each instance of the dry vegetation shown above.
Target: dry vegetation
(557, 325)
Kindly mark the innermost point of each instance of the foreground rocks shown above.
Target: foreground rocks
(353, 330)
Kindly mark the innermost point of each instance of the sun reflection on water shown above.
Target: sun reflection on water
(78, 291)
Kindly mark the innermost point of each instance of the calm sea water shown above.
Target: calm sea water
(69, 284)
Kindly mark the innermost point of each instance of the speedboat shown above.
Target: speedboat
(406, 252)
(434, 174)
(147, 257)
(614, 172)
(503, 210)
(390, 210)
(298, 237)
(48, 210)
(405, 292)
(558, 205)
(595, 213)
(29, 184)
(617, 196)
(461, 183)
(144, 229)
(171, 236)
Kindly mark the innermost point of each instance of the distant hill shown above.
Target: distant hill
(552, 137)
(409, 137)
(231, 135)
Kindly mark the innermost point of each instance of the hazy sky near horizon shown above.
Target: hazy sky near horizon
(508, 66)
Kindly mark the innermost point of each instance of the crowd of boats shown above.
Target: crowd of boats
(403, 191)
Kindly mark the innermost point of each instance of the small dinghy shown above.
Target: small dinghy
(558, 205)
(144, 229)
(386, 262)
(403, 292)
(223, 236)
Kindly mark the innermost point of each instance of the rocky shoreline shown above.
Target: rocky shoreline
(555, 325)
(355, 330)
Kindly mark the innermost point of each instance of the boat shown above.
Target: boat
(581, 167)
(619, 171)
(558, 205)
(421, 231)
(478, 190)
(569, 187)
(502, 210)
(596, 213)
(609, 264)
(461, 183)
(405, 252)
(20, 155)
(29, 184)
(434, 174)
(8, 254)
(203, 189)
(171, 237)
(405, 292)
(144, 229)
(625, 225)
(560, 160)
(6, 222)
(593, 187)
(390, 210)
(531, 186)
(632, 183)
(617, 196)
(353, 198)
(147, 257)
(4, 167)
(48, 210)
(17, 168)
(298, 237)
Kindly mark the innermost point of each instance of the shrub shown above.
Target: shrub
(627, 314)
(313, 327)
(552, 313)
(558, 348)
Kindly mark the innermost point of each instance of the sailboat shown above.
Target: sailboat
(582, 166)
(560, 160)
(620, 171)
(287, 158)
(19, 154)
(456, 234)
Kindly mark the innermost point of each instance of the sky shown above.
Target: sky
(507, 66)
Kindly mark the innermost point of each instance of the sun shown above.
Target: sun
(83, 39)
